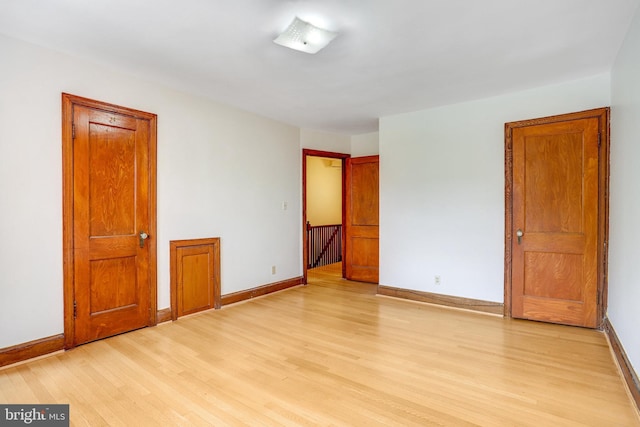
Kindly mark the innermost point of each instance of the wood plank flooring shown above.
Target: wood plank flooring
(334, 353)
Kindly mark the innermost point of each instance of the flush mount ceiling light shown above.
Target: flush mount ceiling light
(305, 37)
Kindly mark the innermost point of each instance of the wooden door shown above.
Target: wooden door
(111, 200)
(362, 219)
(556, 240)
(195, 275)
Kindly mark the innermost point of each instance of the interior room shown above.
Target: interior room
(427, 88)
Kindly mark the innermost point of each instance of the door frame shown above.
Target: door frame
(602, 114)
(305, 244)
(68, 104)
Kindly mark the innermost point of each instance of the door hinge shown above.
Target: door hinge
(75, 310)
(73, 131)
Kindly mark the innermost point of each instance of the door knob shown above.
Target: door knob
(143, 236)
(519, 233)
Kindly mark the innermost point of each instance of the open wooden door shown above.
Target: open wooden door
(362, 219)
(109, 219)
(558, 220)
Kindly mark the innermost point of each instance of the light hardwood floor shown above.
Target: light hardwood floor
(334, 353)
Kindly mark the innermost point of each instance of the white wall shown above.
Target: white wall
(624, 231)
(221, 172)
(325, 141)
(367, 144)
(442, 188)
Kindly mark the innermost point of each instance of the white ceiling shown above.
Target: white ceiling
(391, 56)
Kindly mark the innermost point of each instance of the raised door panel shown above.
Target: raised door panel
(195, 279)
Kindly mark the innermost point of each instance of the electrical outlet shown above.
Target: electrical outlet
(436, 280)
(273, 269)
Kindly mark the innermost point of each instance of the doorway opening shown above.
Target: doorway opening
(323, 208)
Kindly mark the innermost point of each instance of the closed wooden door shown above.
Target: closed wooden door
(362, 219)
(556, 239)
(195, 275)
(112, 205)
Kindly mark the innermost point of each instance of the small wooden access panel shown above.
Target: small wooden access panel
(195, 275)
